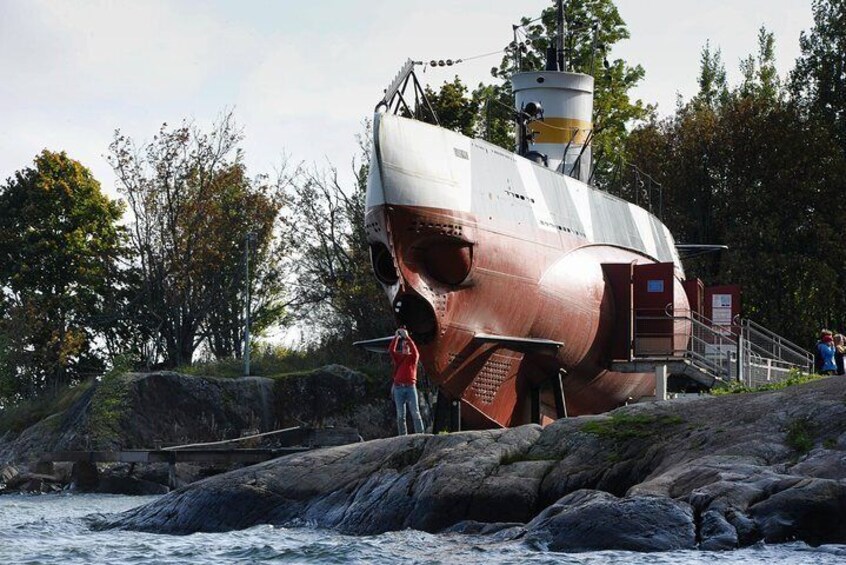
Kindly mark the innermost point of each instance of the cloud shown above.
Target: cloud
(301, 77)
(670, 54)
(99, 50)
(73, 72)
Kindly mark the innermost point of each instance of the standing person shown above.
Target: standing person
(839, 351)
(404, 354)
(825, 354)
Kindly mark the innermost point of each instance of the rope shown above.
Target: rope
(227, 441)
(510, 109)
(482, 55)
(451, 62)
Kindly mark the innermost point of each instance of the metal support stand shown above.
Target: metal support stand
(558, 393)
(455, 416)
(660, 382)
(535, 398)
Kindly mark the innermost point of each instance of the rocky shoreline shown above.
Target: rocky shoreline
(711, 473)
(146, 410)
(708, 473)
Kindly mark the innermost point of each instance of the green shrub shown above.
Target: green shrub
(800, 435)
(794, 377)
(108, 406)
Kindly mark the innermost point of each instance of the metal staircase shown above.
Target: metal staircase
(687, 344)
(766, 357)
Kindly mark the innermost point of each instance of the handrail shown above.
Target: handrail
(743, 350)
(775, 337)
(698, 337)
(804, 356)
(755, 325)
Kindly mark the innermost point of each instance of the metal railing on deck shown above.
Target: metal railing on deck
(767, 357)
(744, 351)
(685, 335)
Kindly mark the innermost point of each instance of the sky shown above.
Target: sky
(301, 77)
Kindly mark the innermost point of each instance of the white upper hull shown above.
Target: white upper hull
(422, 165)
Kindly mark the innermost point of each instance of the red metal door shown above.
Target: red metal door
(619, 277)
(653, 291)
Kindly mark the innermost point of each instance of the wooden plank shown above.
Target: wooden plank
(222, 456)
(290, 437)
(179, 456)
(294, 440)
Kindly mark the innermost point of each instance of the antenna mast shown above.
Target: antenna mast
(559, 38)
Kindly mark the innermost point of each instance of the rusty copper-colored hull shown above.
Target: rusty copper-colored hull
(453, 275)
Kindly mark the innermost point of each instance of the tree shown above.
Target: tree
(194, 207)
(713, 88)
(818, 82)
(495, 122)
(733, 175)
(455, 110)
(593, 27)
(60, 249)
(334, 292)
(760, 77)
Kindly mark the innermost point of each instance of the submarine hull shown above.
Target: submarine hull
(478, 249)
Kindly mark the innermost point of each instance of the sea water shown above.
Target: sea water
(52, 529)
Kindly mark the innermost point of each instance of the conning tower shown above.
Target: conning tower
(563, 133)
(555, 113)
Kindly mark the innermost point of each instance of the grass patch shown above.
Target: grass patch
(264, 363)
(830, 443)
(29, 412)
(795, 377)
(800, 435)
(279, 362)
(622, 427)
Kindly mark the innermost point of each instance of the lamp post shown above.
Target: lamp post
(248, 241)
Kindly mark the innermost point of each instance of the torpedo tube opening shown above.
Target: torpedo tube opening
(417, 316)
(383, 264)
(448, 262)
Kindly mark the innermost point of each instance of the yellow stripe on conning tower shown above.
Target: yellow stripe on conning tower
(561, 130)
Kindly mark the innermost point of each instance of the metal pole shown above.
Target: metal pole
(248, 240)
(660, 382)
(517, 61)
(559, 40)
(593, 48)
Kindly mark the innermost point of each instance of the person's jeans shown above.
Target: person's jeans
(406, 396)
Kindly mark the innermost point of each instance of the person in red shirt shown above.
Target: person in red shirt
(404, 354)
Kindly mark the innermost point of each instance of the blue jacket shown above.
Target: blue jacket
(826, 351)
